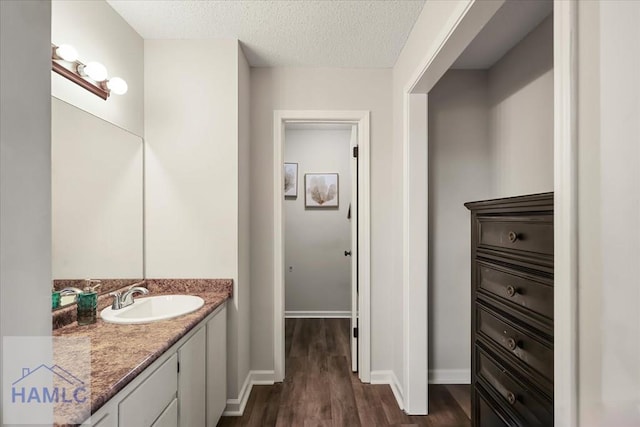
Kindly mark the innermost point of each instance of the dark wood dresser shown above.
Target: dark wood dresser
(512, 311)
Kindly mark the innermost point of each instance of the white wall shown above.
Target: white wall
(490, 135)
(609, 212)
(434, 22)
(100, 34)
(191, 165)
(96, 197)
(521, 98)
(460, 170)
(196, 222)
(317, 274)
(319, 89)
(242, 351)
(25, 169)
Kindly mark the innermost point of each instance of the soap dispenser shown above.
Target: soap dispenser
(87, 302)
(55, 299)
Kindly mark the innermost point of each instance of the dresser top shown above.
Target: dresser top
(528, 201)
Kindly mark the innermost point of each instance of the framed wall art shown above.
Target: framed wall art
(290, 180)
(321, 190)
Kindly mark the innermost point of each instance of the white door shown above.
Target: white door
(354, 249)
(192, 381)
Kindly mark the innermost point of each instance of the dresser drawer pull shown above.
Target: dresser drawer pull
(511, 291)
(512, 236)
(512, 344)
(511, 398)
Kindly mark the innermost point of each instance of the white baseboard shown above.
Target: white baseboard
(449, 376)
(317, 314)
(389, 377)
(235, 407)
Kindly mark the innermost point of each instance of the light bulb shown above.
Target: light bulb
(67, 52)
(95, 71)
(117, 85)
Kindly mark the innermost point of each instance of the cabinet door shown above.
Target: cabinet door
(107, 416)
(216, 367)
(145, 404)
(169, 418)
(192, 380)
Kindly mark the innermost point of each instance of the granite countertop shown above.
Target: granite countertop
(120, 352)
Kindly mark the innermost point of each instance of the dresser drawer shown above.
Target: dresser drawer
(517, 288)
(487, 413)
(517, 341)
(531, 234)
(525, 402)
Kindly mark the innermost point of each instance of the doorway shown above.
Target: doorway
(358, 250)
(320, 206)
(415, 138)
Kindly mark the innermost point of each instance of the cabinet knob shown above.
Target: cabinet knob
(347, 253)
(511, 398)
(512, 344)
(511, 291)
(512, 236)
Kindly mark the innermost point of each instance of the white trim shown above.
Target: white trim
(449, 376)
(440, 42)
(361, 119)
(565, 185)
(458, 32)
(262, 377)
(389, 377)
(345, 314)
(353, 321)
(235, 407)
(415, 252)
(565, 214)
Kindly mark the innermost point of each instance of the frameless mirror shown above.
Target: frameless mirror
(97, 201)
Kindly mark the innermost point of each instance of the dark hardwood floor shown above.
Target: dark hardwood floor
(320, 390)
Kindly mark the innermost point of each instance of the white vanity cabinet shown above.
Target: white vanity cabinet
(169, 418)
(185, 387)
(216, 367)
(148, 401)
(192, 379)
(107, 416)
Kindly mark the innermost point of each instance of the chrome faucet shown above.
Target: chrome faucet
(71, 291)
(126, 299)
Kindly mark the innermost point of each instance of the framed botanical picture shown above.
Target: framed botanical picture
(321, 190)
(290, 180)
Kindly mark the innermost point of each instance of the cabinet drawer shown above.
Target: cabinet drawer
(520, 289)
(487, 414)
(517, 341)
(531, 234)
(524, 401)
(145, 404)
(169, 418)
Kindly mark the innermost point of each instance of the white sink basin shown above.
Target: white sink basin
(153, 309)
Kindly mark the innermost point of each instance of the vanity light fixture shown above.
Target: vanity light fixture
(67, 52)
(117, 85)
(94, 70)
(92, 76)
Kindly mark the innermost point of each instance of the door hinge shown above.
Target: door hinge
(355, 151)
(355, 332)
(178, 366)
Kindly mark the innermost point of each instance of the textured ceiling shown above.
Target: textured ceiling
(294, 33)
